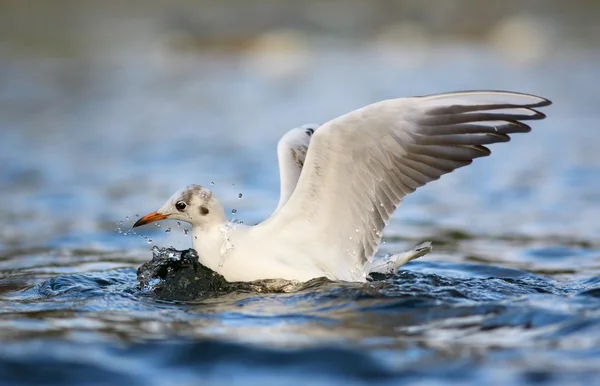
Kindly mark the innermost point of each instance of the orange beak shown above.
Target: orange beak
(150, 217)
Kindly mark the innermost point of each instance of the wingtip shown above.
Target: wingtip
(538, 114)
(539, 101)
(543, 103)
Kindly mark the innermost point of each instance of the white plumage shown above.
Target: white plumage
(357, 169)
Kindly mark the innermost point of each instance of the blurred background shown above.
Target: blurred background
(108, 107)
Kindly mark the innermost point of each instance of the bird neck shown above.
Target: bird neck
(211, 243)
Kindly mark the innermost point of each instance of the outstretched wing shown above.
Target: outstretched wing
(359, 166)
(291, 153)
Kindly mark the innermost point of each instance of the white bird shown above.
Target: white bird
(357, 170)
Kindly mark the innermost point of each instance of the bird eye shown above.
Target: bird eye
(180, 206)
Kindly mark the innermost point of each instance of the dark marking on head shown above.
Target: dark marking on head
(310, 132)
(204, 210)
(191, 191)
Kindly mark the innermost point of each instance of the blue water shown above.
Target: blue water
(509, 295)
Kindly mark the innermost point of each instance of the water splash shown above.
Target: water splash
(124, 232)
(227, 245)
(240, 196)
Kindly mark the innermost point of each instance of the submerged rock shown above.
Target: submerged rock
(178, 275)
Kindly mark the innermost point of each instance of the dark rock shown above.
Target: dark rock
(177, 275)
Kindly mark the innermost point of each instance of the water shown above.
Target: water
(509, 294)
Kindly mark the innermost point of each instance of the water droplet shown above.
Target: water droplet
(234, 211)
(168, 230)
(149, 241)
(178, 224)
(357, 230)
(240, 196)
(186, 231)
(120, 222)
(157, 225)
(195, 237)
(227, 245)
(137, 215)
(127, 218)
(350, 237)
(383, 241)
(212, 182)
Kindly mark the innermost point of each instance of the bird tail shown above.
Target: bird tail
(391, 262)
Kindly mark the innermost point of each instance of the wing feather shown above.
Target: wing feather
(291, 154)
(508, 127)
(361, 165)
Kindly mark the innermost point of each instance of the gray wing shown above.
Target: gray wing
(359, 166)
(291, 154)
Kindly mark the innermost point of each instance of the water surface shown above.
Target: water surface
(510, 293)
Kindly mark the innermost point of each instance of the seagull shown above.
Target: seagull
(342, 181)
